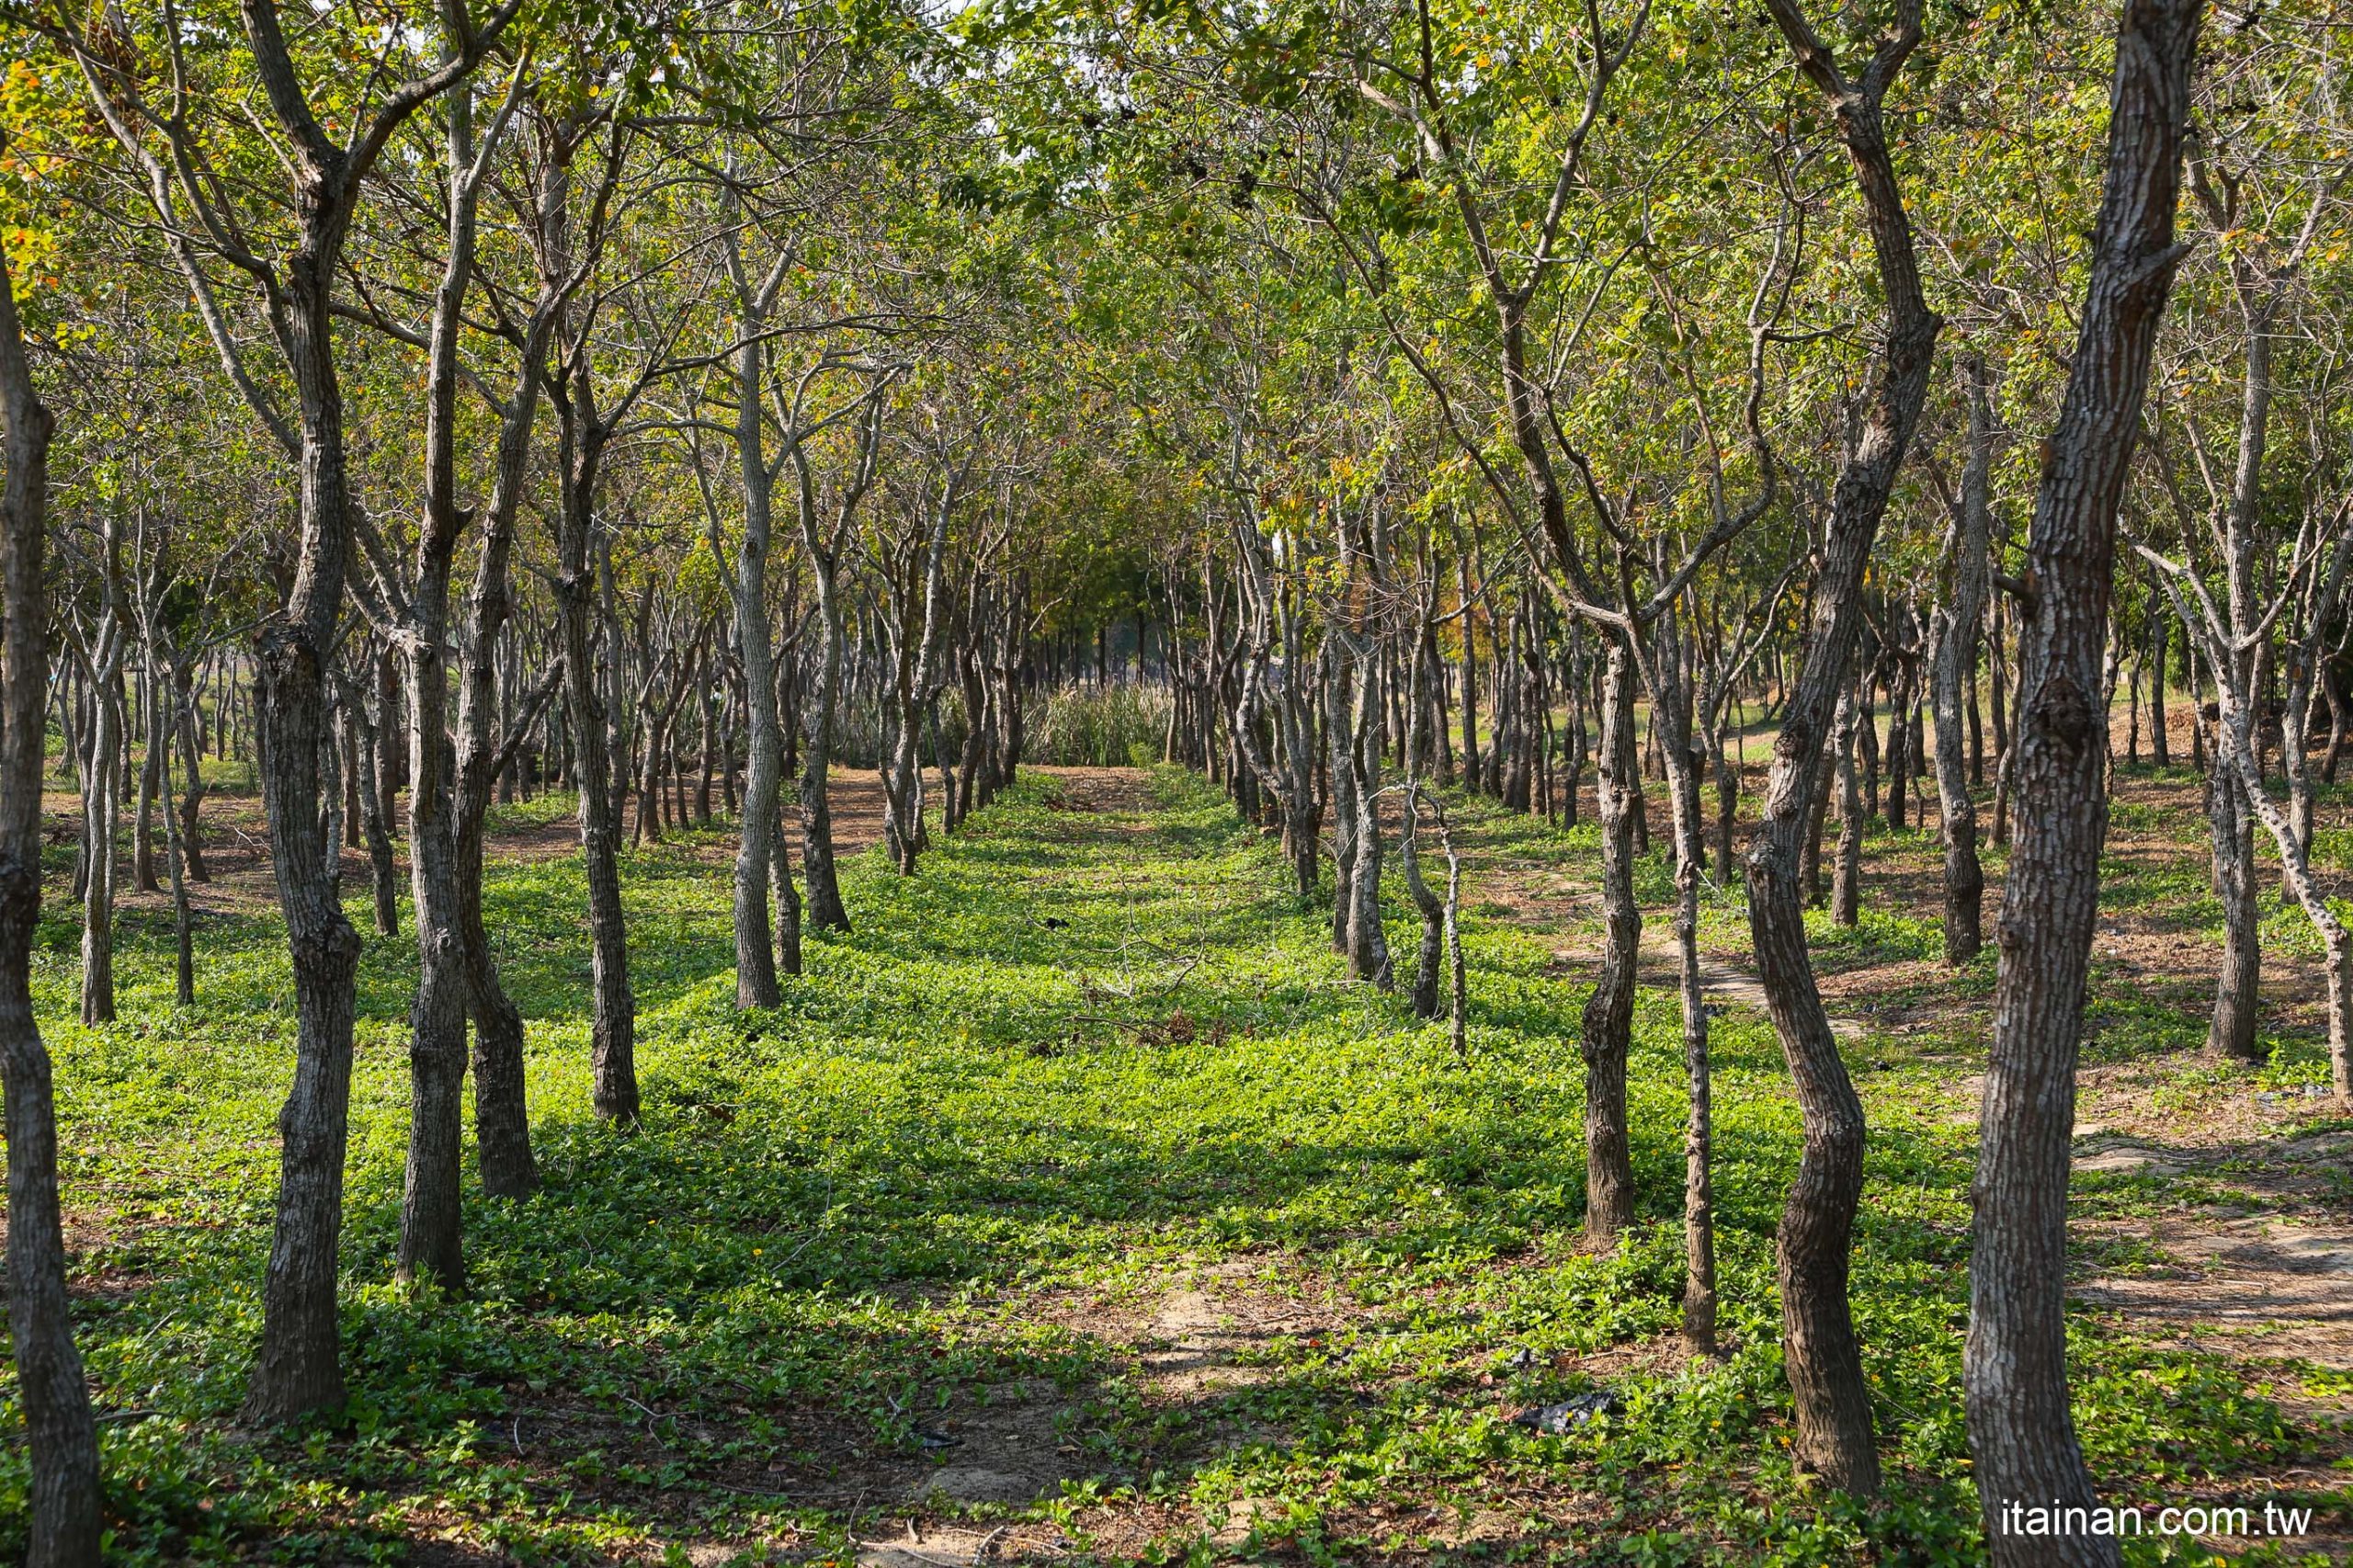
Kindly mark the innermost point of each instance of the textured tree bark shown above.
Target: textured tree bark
(826, 912)
(432, 1244)
(613, 1024)
(502, 1112)
(1672, 691)
(596, 735)
(1609, 1012)
(755, 982)
(150, 762)
(1818, 1338)
(374, 718)
(2014, 1370)
(61, 1441)
(1956, 662)
(192, 787)
(1847, 874)
(2237, 1002)
(298, 1369)
(99, 799)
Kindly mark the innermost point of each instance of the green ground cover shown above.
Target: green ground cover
(1084, 1055)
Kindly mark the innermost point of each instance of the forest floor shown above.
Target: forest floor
(1074, 1207)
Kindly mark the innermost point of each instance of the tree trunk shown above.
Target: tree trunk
(191, 846)
(1825, 1363)
(1847, 876)
(755, 982)
(2014, 1365)
(299, 1367)
(142, 827)
(376, 802)
(1956, 661)
(99, 819)
(1609, 1012)
(613, 1019)
(61, 1442)
(2237, 1001)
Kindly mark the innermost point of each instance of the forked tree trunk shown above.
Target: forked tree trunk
(432, 1244)
(2015, 1366)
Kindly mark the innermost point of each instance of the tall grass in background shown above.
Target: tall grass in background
(1098, 726)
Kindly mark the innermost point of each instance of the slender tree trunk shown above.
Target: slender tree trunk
(613, 1020)
(142, 827)
(755, 982)
(1956, 662)
(1470, 766)
(2015, 1369)
(432, 1244)
(826, 912)
(98, 820)
(1609, 1012)
(61, 1443)
(1847, 876)
(2237, 1000)
(1824, 1361)
(299, 1367)
(376, 805)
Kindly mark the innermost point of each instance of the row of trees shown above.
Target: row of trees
(662, 402)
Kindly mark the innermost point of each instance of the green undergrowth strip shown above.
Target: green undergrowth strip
(1083, 1053)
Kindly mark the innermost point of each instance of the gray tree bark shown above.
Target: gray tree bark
(1825, 1362)
(2013, 1368)
(1609, 1021)
(1956, 665)
(61, 1441)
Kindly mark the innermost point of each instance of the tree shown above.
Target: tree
(60, 1430)
(2014, 1370)
(1818, 1334)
